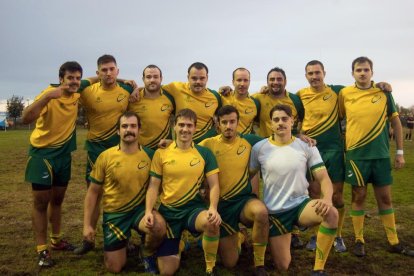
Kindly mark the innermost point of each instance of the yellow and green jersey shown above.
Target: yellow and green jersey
(103, 108)
(321, 120)
(367, 112)
(203, 104)
(124, 177)
(267, 102)
(155, 118)
(233, 162)
(248, 108)
(55, 131)
(182, 172)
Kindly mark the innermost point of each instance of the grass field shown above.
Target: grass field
(17, 244)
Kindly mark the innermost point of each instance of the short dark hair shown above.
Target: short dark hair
(276, 69)
(151, 66)
(128, 114)
(106, 59)
(362, 60)
(281, 107)
(226, 110)
(70, 66)
(314, 62)
(198, 66)
(186, 113)
(241, 69)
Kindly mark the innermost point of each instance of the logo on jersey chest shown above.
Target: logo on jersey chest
(143, 165)
(120, 97)
(248, 110)
(209, 104)
(165, 107)
(195, 161)
(98, 100)
(241, 149)
(327, 97)
(376, 99)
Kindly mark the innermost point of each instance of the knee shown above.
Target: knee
(229, 263)
(337, 198)
(261, 217)
(114, 267)
(211, 230)
(167, 269)
(40, 204)
(385, 199)
(283, 265)
(331, 218)
(358, 196)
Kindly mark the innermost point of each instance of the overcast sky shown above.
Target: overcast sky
(37, 36)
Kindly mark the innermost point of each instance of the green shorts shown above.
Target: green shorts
(183, 217)
(335, 165)
(283, 223)
(117, 227)
(90, 162)
(48, 171)
(361, 172)
(230, 211)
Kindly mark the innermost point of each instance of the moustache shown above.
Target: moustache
(129, 134)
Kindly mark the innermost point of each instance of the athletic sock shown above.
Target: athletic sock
(259, 250)
(341, 218)
(388, 220)
(295, 231)
(210, 247)
(241, 238)
(41, 247)
(324, 241)
(55, 238)
(358, 217)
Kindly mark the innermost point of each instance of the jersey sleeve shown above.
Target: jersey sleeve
(254, 158)
(298, 105)
(84, 83)
(156, 164)
(391, 108)
(126, 87)
(252, 139)
(211, 166)
(336, 88)
(97, 175)
(314, 161)
(172, 88)
(341, 104)
(149, 152)
(257, 103)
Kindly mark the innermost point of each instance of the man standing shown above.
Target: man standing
(277, 94)
(154, 108)
(121, 173)
(49, 166)
(284, 161)
(237, 202)
(195, 95)
(180, 169)
(321, 122)
(367, 110)
(104, 103)
(247, 106)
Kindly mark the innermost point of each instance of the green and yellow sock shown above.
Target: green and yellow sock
(55, 238)
(259, 250)
(41, 247)
(324, 241)
(358, 217)
(210, 247)
(388, 220)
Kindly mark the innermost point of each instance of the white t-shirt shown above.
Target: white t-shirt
(283, 170)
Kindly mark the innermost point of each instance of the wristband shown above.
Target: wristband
(400, 152)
